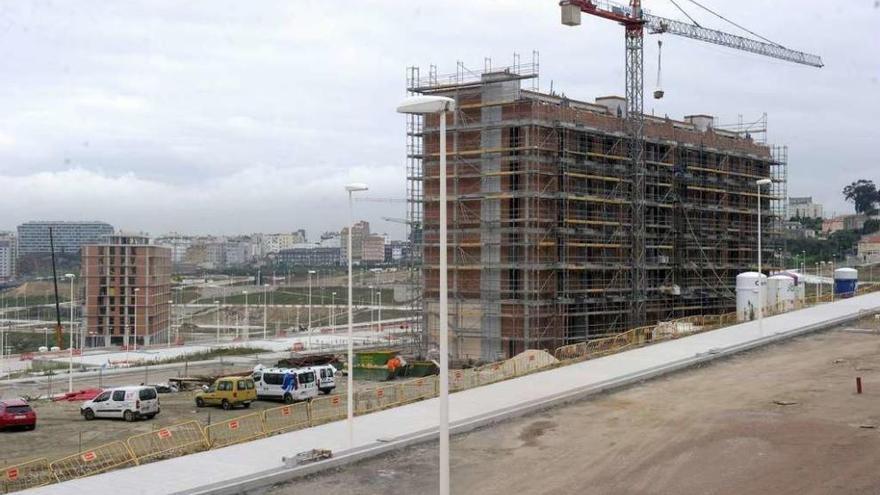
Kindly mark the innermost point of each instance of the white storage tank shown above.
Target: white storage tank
(781, 293)
(845, 282)
(748, 293)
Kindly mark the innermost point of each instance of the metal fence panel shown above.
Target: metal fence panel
(171, 441)
(26, 475)
(98, 460)
(286, 418)
(237, 430)
(418, 389)
(326, 409)
(375, 399)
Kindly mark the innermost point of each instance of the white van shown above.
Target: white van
(326, 377)
(128, 403)
(287, 384)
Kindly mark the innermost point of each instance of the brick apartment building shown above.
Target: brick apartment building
(127, 283)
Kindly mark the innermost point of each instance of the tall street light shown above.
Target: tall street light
(311, 272)
(70, 277)
(170, 321)
(332, 309)
(217, 303)
(379, 309)
(372, 304)
(351, 188)
(434, 105)
(759, 183)
(247, 319)
(265, 308)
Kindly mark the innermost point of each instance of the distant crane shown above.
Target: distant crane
(634, 22)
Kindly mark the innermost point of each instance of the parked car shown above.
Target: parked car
(326, 377)
(128, 403)
(228, 392)
(17, 413)
(287, 384)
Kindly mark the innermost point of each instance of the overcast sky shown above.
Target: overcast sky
(233, 117)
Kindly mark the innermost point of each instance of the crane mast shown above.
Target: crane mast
(634, 22)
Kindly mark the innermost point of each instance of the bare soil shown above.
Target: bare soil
(782, 419)
(62, 431)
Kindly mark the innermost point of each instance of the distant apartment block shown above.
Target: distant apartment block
(8, 256)
(310, 256)
(127, 283)
(178, 244)
(869, 248)
(273, 243)
(373, 249)
(360, 231)
(804, 207)
(69, 237)
(844, 222)
(397, 251)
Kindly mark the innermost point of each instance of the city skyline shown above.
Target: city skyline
(203, 120)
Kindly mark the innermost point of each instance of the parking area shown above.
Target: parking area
(61, 430)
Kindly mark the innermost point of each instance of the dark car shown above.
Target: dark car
(16, 413)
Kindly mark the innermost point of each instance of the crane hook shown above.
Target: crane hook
(658, 93)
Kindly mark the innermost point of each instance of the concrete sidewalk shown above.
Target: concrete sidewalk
(256, 463)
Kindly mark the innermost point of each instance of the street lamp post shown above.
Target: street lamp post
(265, 308)
(333, 309)
(70, 277)
(831, 274)
(351, 189)
(379, 309)
(372, 303)
(246, 333)
(761, 290)
(441, 105)
(217, 303)
(311, 272)
(170, 322)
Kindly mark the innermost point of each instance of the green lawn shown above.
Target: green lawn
(299, 295)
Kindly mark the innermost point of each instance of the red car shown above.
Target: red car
(17, 413)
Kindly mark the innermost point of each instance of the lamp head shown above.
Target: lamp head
(425, 104)
(763, 182)
(356, 186)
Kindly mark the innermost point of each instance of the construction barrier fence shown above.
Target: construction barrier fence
(376, 399)
(89, 462)
(237, 430)
(327, 409)
(170, 441)
(418, 389)
(26, 475)
(286, 418)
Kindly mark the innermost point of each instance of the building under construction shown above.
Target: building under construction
(539, 212)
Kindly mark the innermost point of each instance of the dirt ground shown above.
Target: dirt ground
(61, 430)
(782, 419)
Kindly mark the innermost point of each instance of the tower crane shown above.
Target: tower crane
(635, 21)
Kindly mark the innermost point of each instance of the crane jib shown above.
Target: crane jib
(658, 25)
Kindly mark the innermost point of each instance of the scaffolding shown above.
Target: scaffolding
(540, 222)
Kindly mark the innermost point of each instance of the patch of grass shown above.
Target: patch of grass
(300, 295)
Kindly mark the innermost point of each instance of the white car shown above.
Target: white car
(287, 384)
(128, 403)
(326, 377)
